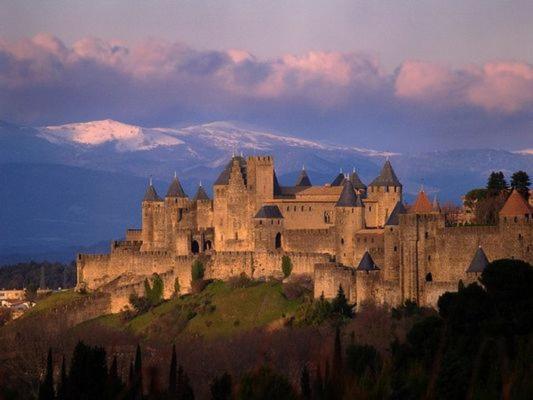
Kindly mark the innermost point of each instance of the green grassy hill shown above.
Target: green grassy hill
(219, 310)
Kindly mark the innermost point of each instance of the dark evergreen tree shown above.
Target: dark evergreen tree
(63, 384)
(115, 384)
(138, 375)
(496, 183)
(184, 390)
(221, 387)
(87, 377)
(318, 385)
(264, 384)
(46, 388)
(305, 384)
(341, 306)
(172, 382)
(520, 181)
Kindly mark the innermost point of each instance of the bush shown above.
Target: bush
(197, 271)
(317, 311)
(241, 281)
(139, 303)
(154, 293)
(265, 384)
(177, 287)
(286, 266)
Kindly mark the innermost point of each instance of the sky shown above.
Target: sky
(389, 75)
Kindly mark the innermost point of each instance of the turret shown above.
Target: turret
(385, 191)
(152, 214)
(516, 210)
(204, 208)
(357, 183)
(268, 229)
(349, 218)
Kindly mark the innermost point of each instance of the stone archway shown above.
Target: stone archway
(207, 245)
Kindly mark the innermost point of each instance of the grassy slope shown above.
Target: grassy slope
(218, 310)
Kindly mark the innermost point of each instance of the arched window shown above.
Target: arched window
(429, 277)
(195, 247)
(278, 241)
(207, 245)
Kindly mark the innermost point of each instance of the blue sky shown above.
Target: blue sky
(393, 75)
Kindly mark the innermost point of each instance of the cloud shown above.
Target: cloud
(502, 87)
(43, 80)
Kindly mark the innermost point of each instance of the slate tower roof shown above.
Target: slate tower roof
(175, 189)
(151, 194)
(201, 194)
(339, 179)
(223, 178)
(348, 197)
(394, 217)
(367, 263)
(269, 212)
(479, 262)
(303, 179)
(386, 177)
(356, 181)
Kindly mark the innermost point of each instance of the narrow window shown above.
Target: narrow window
(429, 277)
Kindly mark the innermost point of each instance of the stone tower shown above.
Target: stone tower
(349, 218)
(260, 181)
(178, 218)
(153, 220)
(268, 229)
(385, 192)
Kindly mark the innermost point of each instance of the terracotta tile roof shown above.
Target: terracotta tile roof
(515, 205)
(421, 205)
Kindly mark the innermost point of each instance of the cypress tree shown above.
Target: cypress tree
(318, 385)
(138, 374)
(172, 383)
(115, 384)
(221, 388)
(305, 387)
(46, 388)
(62, 387)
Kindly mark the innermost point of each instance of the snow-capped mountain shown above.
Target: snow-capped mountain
(79, 183)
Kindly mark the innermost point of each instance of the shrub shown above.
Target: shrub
(177, 287)
(317, 311)
(286, 266)
(197, 271)
(154, 293)
(139, 303)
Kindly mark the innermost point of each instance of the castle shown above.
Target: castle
(343, 234)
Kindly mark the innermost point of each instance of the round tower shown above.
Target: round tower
(152, 206)
(177, 221)
(349, 218)
(268, 229)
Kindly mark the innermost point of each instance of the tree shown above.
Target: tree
(30, 293)
(172, 383)
(520, 181)
(197, 271)
(305, 385)
(341, 306)
(114, 385)
(265, 384)
(87, 377)
(318, 385)
(46, 388)
(183, 388)
(62, 393)
(221, 387)
(136, 385)
(496, 183)
(286, 266)
(154, 292)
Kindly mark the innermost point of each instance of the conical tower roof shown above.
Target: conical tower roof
(515, 205)
(367, 263)
(479, 262)
(421, 205)
(348, 198)
(356, 181)
(394, 217)
(339, 179)
(175, 189)
(303, 179)
(201, 194)
(386, 177)
(151, 194)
